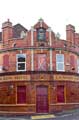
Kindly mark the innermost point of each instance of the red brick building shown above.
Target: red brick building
(39, 72)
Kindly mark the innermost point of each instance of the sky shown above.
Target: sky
(56, 13)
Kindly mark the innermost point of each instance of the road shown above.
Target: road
(73, 115)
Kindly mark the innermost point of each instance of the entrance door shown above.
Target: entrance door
(42, 99)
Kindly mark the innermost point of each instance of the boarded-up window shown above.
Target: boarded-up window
(21, 94)
(42, 62)
(60, 94)
(6, 61)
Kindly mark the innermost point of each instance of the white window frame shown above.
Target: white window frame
(1, 68)
(23, 34)
(20, 62)
(78, 65)
(60, 62)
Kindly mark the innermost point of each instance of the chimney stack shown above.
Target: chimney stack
(6, 31)
(70, 33)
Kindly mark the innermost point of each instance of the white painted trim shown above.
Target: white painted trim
(65, 104)
(15, 112)
(50, 60)
(32, 60)
(20, 62)
(32, 36)
(41, 23)
(17, 105)
(50, 38)
(58, 62)
(35, 104)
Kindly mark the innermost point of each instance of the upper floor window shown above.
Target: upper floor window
(42, 62)
(23, 34)
(6, 62)
(21, 62)
(41, 34)
(1, 68)
(59, 62)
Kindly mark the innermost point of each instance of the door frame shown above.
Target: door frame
(46, 86)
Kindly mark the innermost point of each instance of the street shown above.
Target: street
(70, 115)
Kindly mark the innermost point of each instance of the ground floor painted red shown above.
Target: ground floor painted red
(38, 92)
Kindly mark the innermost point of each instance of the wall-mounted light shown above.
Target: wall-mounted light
(10, 89)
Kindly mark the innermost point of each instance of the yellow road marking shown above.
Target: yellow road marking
(42, 116)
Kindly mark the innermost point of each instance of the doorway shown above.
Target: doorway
(42, 99)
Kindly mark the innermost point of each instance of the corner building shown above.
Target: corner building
(39, 72)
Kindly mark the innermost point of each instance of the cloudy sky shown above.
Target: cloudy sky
(56, 13)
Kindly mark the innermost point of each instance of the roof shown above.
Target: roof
(17, 29)
(39, 23)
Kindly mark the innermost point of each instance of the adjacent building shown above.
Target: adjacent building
(39, 72)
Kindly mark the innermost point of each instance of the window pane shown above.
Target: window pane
(41, 35)
(59, 62)
(78, 69)
(60, 57)
(21, 62)
(21, 66)
(21, 59)
(60, 67)
(78, 65)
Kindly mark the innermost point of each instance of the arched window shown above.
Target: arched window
(41, 34)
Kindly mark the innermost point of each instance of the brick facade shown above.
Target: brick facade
(41, 73)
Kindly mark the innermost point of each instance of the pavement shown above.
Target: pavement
(53, 116)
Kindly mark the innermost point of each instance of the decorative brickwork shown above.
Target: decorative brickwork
(20, 91)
